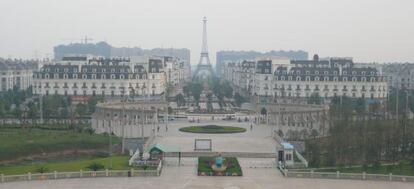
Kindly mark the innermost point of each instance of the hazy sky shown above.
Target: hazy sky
(368, 30)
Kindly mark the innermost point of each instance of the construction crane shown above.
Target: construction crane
(82, 40)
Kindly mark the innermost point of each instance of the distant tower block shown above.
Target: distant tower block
(204, 69)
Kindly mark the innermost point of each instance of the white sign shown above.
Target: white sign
(202, 144)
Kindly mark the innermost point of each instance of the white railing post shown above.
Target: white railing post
(311, 173)
(364, 175)
(29, 176)
(81, 173)
(55, 174)
(337, 174)
(390, 176)
(2, 177)
(106, 172)
(132, 172)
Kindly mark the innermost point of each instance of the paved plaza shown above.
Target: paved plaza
(259, 173)
(257, 140)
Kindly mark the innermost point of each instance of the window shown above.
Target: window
(345, 79)
(335, 79)
(121, 76)
(75, 76)
(372, 79)
(354, 79)
(326, 78)
(103, 76)
(84, 76)
(47, 76)
(112, 76)
(316, 78)
(298, 78)
(93, 76)
(363, 79)
(307, 78)
(65, 76)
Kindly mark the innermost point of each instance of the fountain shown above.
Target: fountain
(218, 164)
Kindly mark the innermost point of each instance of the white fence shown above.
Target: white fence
(339, 175)
(82, 174)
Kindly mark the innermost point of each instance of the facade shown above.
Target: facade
(302, 78)
(102, 76)
(400, 75)
(16, 74)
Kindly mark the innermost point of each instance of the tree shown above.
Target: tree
(81, 109)
(263, 111)
(94, 166)
(179, 98)
(92, 102)
(238, 99)
(314, 99)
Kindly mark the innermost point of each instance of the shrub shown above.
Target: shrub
(376, 165)
(95, 166)
(42, 169)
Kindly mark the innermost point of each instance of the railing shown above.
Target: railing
(82, 174)
(352, 176)
(301, 158)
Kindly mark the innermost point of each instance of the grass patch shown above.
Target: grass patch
(212, 129)
(118, 163)
(16, 143)
(233, 167)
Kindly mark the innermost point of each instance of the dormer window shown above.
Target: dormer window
(363, 73)
(103, 70)
(47, 70)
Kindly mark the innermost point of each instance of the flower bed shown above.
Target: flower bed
(213, 129)
(205, 163)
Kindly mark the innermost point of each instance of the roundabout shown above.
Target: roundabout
(212, 129)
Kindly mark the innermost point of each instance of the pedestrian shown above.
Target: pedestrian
(166, 128)
(158, 129)
(251, 126)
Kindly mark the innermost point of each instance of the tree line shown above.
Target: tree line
(366, 132)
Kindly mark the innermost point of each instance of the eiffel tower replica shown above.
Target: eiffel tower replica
(204, 70)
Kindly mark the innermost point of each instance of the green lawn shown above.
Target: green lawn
(212, 129)
(118, 163)
(16, 143)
